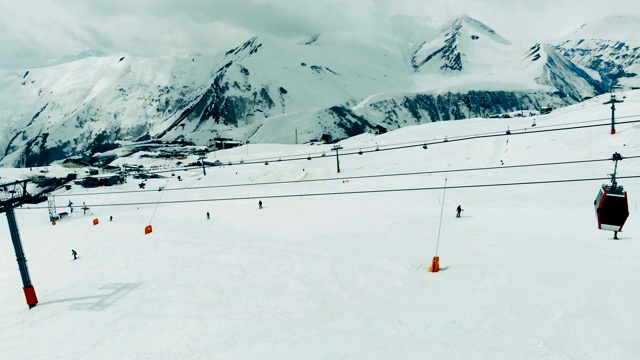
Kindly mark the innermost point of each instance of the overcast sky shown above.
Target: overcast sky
(35, 31)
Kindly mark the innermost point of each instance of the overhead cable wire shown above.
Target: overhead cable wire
(502, 167)
(398, 146)
(357, 192)
(392, 147)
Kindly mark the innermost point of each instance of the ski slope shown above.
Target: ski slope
(320, 274)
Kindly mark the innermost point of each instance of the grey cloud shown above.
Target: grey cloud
(34, 31)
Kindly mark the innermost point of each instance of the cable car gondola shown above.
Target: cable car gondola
(612, 208)
(611, 204)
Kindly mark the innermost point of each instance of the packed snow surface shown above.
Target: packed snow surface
(336, 265)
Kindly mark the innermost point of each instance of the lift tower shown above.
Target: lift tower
(12, 195)
(613, 103)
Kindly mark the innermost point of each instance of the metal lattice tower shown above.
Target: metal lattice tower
(51, 204)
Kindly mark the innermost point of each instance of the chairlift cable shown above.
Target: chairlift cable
(421, 143)
(357, 192)
(417, 143)
(359, 177)
(158, 203)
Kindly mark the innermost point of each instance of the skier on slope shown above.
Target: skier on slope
(74, 253)
(459, 210)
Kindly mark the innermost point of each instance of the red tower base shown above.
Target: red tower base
(30, 294)
(435, 264)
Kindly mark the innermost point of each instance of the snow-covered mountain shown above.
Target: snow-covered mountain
(275, 90)
(611, 53)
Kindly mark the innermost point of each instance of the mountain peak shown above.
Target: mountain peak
(461, 38)
(479, 27)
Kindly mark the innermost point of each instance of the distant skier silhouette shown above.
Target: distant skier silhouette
(260, 204)
(74, 253)
(459, 210)
(208, 216)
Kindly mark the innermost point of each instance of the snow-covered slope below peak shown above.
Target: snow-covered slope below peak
(519, 67)
(268, 76)
(69, 105)
(355, 63)
(617, 62)
(569, 79)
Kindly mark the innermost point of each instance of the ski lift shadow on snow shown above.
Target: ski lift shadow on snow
(110, 294)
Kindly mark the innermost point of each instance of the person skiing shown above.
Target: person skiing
(208, 216)
(74, 253)
(110, 218)
(459, 210)
(260, 204)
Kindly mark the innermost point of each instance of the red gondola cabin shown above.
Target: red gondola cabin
(612, 207)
